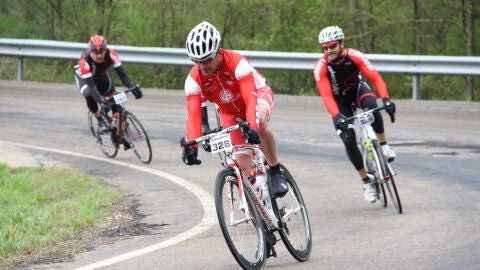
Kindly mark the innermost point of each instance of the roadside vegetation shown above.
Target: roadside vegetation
(416, 27)
(45, 207)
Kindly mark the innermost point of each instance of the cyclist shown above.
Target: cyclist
(227, 79)
(338, 77)
(93, 80)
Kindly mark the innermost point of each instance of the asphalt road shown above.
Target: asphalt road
(438, 148)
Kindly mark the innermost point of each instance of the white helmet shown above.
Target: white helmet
(330, 33)
(203, 41)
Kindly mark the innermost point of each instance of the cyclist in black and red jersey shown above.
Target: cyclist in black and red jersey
(338, 77)
(93, 80)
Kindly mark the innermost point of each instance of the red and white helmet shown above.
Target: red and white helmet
(203, 42)
(97, 43)
(330, 33)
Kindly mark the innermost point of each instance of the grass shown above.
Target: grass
(41, 207)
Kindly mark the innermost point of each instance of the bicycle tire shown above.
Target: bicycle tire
(393, 191)
(388, 181)
(375, 167)
(244, 235)
(103, 140)
(295, 229)
(136, 135)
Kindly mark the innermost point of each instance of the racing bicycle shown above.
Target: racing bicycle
(249, 217)
(125, 128)
(374, 161)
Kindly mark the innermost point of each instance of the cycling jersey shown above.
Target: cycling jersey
(88, 67)
(339, 83)
(234, 88)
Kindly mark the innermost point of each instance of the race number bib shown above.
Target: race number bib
(221, 143)
(366, 119)
(120, 98)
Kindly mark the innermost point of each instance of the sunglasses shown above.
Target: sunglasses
(98, 51)
(330, 46)
(205, 62)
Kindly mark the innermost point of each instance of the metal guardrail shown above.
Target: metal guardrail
(414, 65)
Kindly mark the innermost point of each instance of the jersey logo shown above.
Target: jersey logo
(225, 95)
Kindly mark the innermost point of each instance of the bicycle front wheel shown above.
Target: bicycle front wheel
(374, 165)
(240, 222)
(136, 135)
(295, 229)
(392, 191)
(388, 180)
(103, 139)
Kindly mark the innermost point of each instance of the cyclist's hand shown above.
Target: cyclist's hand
(252, 136)
(206, 144)
(189, 154)
(341, 122)
(137, 92)
(390, 108)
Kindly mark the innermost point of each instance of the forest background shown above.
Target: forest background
(406, 27)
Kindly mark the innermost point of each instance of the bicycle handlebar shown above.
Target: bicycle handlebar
(242, 125)
(110, 100)
(392, 116)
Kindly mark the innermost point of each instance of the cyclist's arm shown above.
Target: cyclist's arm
(117, 65)
(324, 87)
(369, 71)
(249, 95)
(248, 89)
(84, 74)
(123, 77)
(194, 109)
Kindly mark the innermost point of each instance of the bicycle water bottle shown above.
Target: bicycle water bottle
(262, 181)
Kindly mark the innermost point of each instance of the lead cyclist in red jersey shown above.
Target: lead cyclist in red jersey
(340, 84)
(93, 79)
(227, 79)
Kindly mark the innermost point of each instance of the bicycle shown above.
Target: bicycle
(249, 220)
(374, 161)
(125, 128)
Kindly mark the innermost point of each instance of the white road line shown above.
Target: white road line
(209, 217)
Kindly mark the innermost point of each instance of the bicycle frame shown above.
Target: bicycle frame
(265, 210)
(121, 117)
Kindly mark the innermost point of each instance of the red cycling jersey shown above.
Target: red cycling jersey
(334, 81)
(233, 88)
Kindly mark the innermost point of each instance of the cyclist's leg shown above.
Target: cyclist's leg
(243, 159)
(368, 100)
(268, 144)
(265, 106)
(349, 139)
(87, 89)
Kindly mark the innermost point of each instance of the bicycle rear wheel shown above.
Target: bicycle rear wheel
(241, 224)
(103, 140)
(295, 229)
(136, 135)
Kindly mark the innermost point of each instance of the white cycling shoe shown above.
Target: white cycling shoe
(369, 192)
(388, 153)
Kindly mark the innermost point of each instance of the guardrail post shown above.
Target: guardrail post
(20, 69)
(415, 86)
